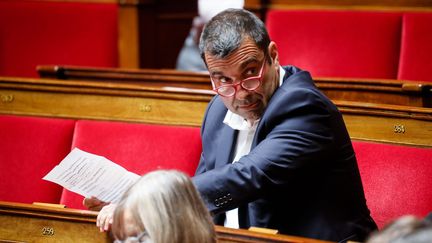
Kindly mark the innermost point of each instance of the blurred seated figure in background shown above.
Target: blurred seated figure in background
(189, 58)
(162, 207)
(407, 229)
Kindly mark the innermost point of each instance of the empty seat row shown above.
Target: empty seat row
(359, 44)
(328, 43)
(56, 32)
(396, 178)
(31, 146)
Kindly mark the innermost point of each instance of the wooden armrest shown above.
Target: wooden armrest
(54, 205)
(263, 230)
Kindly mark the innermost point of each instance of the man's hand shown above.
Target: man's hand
(93, 203)
(105, 217)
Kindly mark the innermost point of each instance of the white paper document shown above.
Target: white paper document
(92, 175)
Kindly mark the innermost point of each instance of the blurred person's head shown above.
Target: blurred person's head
(163, 207)
(207, 9)
(407, 229)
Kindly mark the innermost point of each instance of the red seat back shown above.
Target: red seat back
(29, 148)
(415, 59)
(397, 179)
(56, 33)
(137, 147)
(338, 43)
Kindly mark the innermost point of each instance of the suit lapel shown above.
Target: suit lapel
(226, 146)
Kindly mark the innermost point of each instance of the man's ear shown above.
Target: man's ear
(273, 52)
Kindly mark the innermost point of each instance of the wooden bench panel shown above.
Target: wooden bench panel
(387, 123)
(114, 100)
(30, 223)
(104, 101)
(382, 91)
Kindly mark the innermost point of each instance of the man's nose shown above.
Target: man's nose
(241, 93)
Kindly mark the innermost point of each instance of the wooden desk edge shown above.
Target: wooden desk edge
(233, 235)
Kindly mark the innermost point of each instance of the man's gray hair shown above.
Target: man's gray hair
(226, 31)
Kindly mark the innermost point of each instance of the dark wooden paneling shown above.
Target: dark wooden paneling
(163, 26)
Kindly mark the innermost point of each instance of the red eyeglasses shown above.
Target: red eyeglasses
(251, 83)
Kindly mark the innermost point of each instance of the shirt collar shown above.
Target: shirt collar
(281, 75)
(237, 122)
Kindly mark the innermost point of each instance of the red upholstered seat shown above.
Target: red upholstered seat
(137, 147)
(29, 148)
(416, 51)
(51, 32)
(338, 43)
(397, 179)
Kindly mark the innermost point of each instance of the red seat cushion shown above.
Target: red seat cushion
(338, 43)
(29, 148)
(397, 179)
(137, 147)
(415, 59)
(51, 32)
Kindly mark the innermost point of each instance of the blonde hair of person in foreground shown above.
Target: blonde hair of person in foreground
(163, 207)
(406, 229)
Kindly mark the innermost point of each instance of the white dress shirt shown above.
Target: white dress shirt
(246, 133)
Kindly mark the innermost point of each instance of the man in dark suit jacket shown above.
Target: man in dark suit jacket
(276, 153)
(275, 149)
